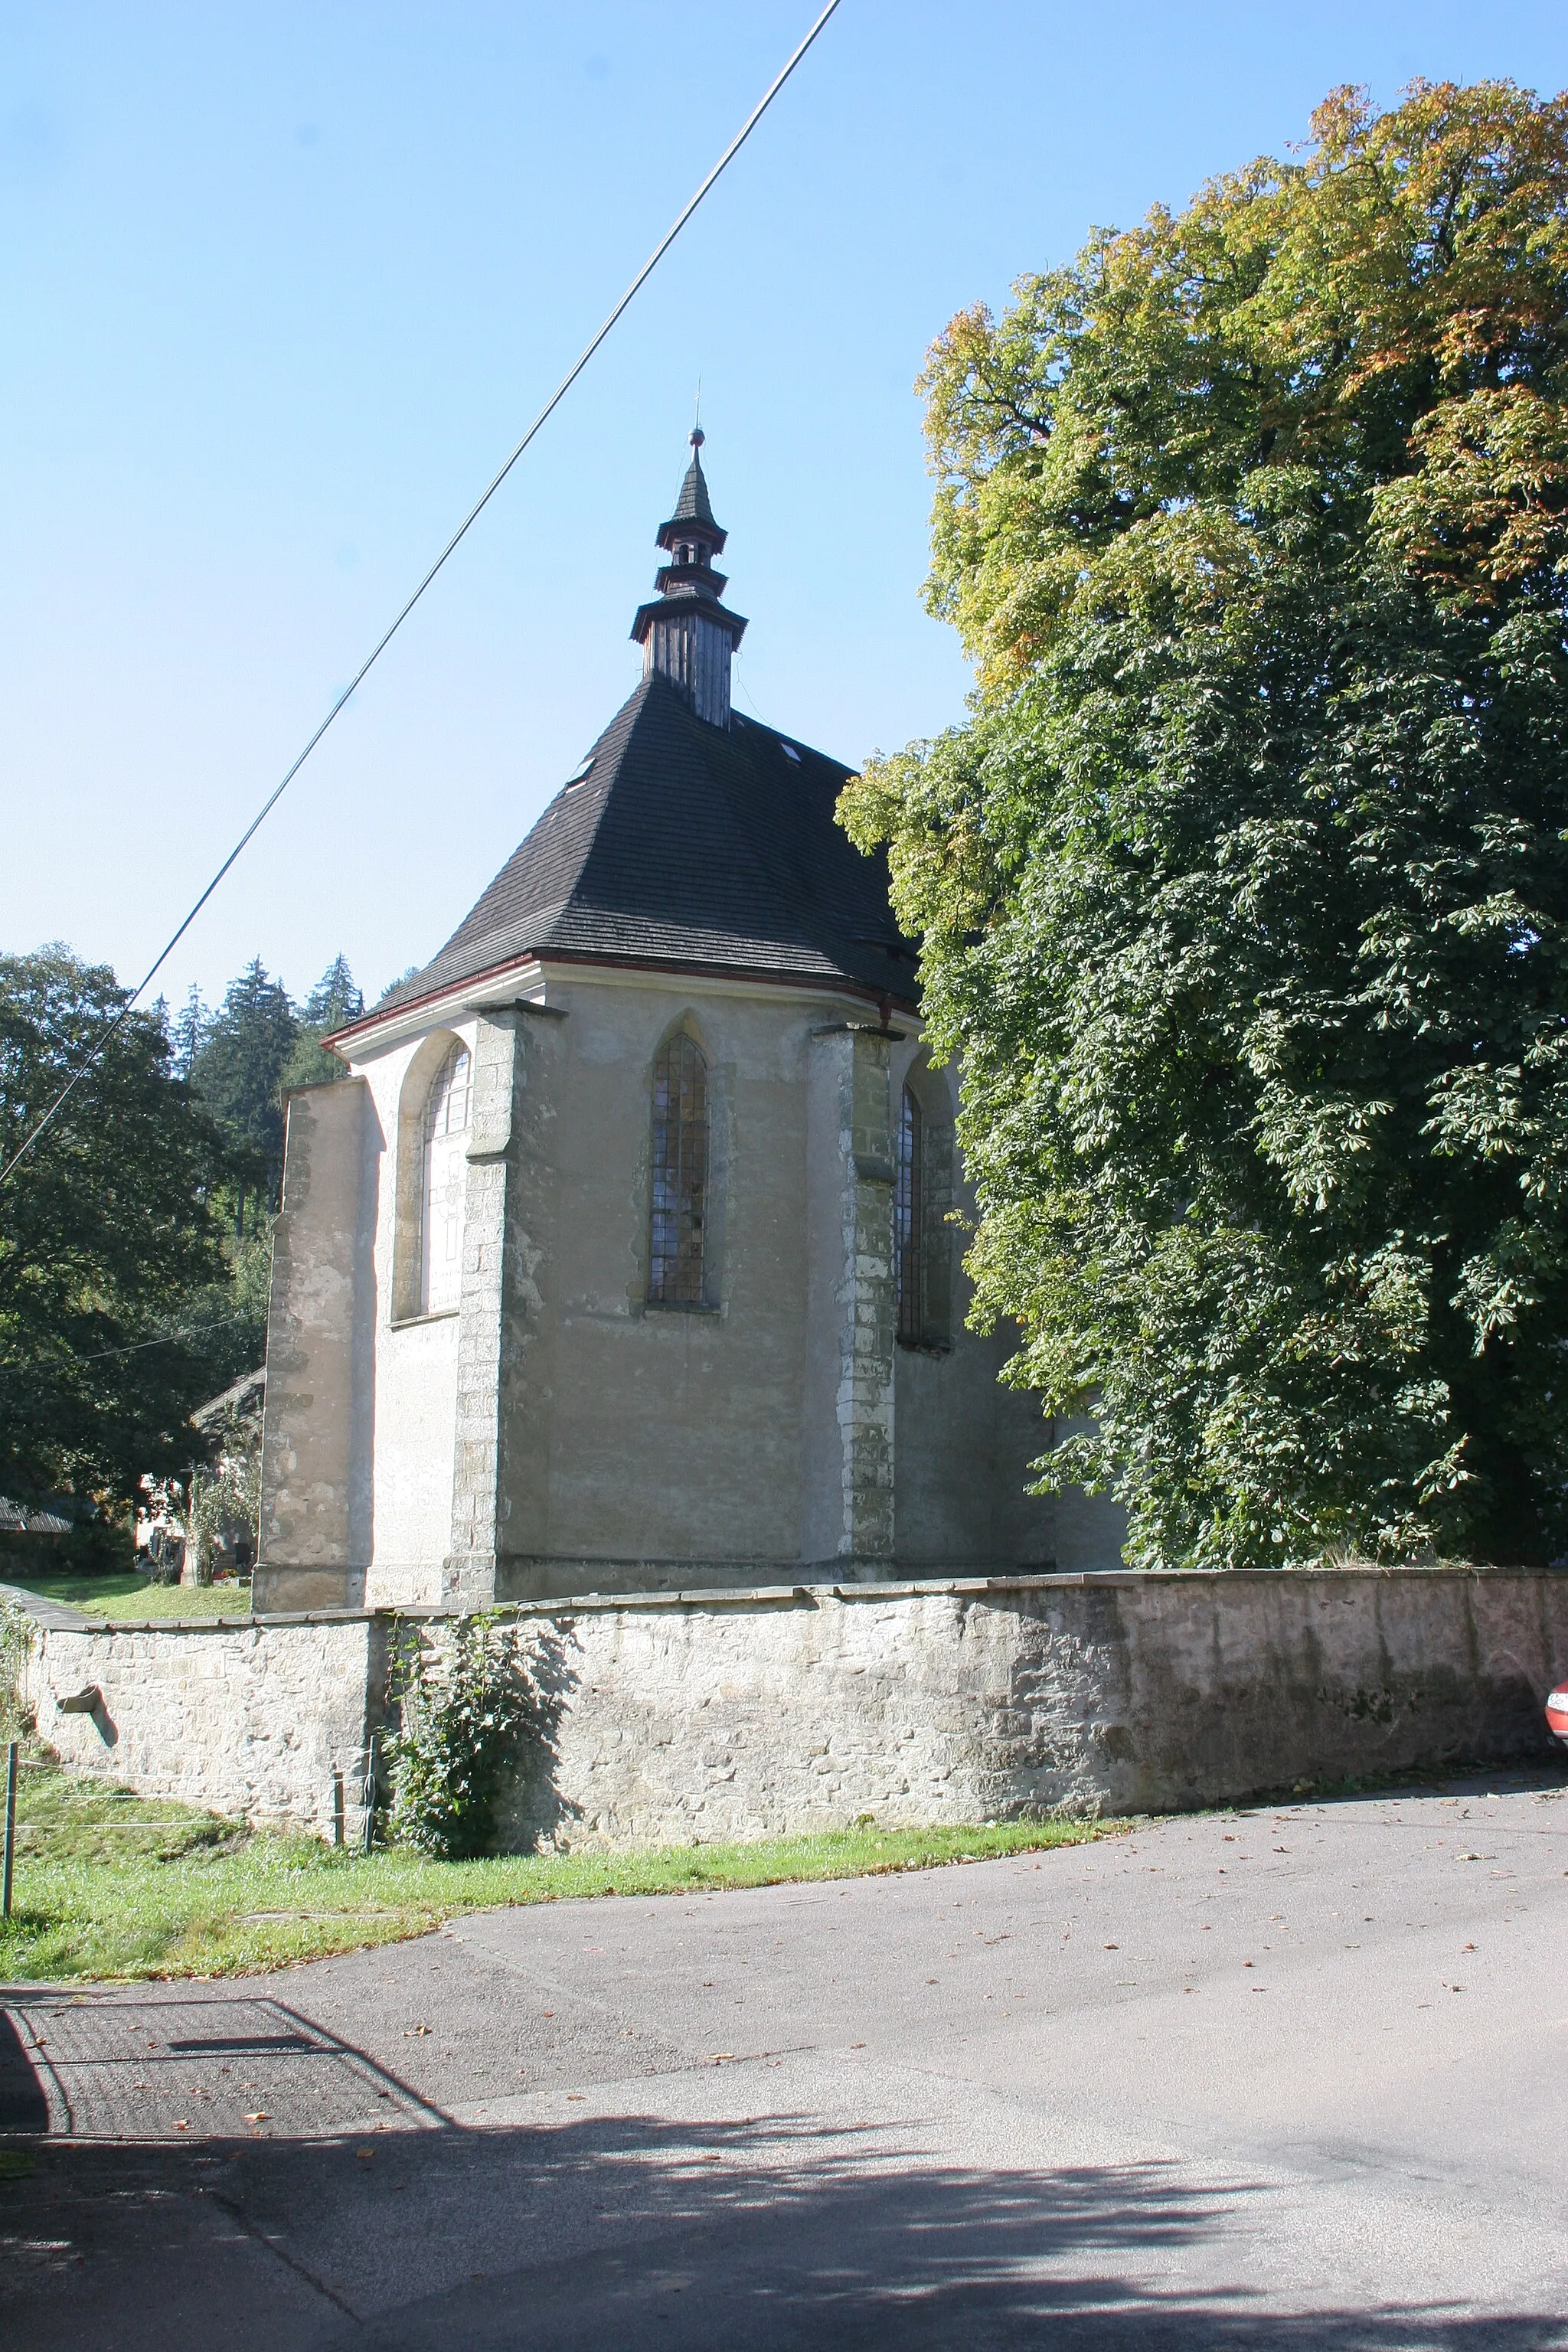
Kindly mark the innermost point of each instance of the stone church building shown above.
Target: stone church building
(622, 1259)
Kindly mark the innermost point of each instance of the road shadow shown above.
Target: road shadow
(23, 2105)
(774, 2234)
(1546, 1775)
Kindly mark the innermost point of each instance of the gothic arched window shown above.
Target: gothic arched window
(445, 1178)
(679, 1173)
(909, 1221)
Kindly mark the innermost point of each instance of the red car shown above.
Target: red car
(1557, 1712)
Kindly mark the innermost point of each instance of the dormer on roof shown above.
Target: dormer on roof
(687, 634)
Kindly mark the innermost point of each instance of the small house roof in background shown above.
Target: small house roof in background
(247, 1390)
(34, 1519)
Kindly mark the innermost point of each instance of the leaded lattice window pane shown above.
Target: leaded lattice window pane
(679, 1173)
(909, 1221)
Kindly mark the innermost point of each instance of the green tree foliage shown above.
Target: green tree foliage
(107, 1230)
(17, 1634)
(239, 1070)
(228, 1313)
(1244, 890)
(186, 1031)
(335, 1000)
(465, 1708)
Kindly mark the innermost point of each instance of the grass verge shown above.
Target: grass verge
(108, 1884)
(124, 1594)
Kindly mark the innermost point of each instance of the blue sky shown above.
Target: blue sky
(283, 284)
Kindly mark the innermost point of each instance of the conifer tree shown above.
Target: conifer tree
(335, 1000)
(239, 1070)
(186, 1031)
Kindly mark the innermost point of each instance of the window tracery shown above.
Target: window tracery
(676, 1263)
(909, 1221)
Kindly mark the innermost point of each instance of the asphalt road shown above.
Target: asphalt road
(1291, 2077)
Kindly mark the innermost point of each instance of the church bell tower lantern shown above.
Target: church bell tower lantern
(687, 634)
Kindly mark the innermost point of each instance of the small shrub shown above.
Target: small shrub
(468, 1703)
(15, 1642)
(226, 1499)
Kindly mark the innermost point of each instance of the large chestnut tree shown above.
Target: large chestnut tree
(1243, 889)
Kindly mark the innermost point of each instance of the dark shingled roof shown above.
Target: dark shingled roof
(693, 504)
(690, 846)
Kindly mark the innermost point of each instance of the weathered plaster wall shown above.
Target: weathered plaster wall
(949, 1473)
(649, 1441)
(964, 1444)
(743, 1714)
(415, 1366)
(317, 1477)
(559, 1432)
(636, 1447)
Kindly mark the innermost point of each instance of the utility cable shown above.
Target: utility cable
(101, 1355)
(556, 397)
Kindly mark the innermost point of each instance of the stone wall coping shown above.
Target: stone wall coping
(786, 1595)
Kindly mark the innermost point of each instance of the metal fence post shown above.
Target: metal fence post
(369, 1794)
(10, 1827)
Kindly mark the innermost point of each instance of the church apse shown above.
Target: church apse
(696, 1180)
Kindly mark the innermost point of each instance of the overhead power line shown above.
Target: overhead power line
(95, 1051)
(101, 1355)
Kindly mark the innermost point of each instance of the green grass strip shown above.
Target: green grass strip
(113, 1885)
(127, 1595)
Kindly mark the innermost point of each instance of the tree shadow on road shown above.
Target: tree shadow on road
(774, 2234)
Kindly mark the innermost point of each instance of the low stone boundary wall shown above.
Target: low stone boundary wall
(266, 1723)
(712, 1715)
